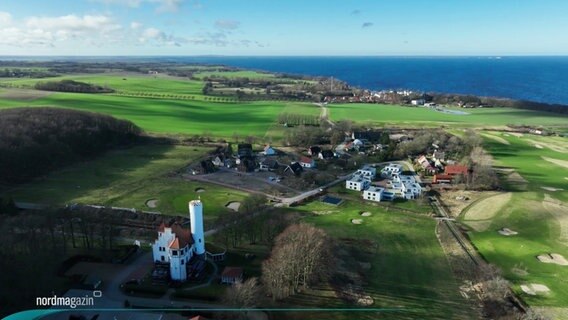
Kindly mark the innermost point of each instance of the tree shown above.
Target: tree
(243, 294)
(301, 256)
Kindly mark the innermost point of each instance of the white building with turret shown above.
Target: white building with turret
(176, 245)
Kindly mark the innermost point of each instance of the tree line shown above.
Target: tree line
(71, 86)
(34, 141)
(296, 119)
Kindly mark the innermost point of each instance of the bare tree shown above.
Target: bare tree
(300, 258)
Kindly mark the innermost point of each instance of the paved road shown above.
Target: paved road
(282, 200)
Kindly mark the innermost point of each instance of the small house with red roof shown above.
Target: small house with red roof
(306, 162)
(232, 275)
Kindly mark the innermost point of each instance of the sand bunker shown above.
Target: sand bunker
(551, 189)
(516, 134)
(233, 205)
(199, 190)
(562, 163)
(534, 289)
(152, 203)
(356, 221)
(553, 258)
(538, 146)
(557, 146)
(366, 214)
(496, 138)
(507, 232)
(516, 180)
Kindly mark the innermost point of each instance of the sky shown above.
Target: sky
(283, 27)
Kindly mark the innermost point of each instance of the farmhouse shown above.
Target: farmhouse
(373, 193)
(368, 135)
(176, 245)
(232, 275)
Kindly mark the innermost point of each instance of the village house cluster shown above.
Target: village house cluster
(442, 170)
(393, 184)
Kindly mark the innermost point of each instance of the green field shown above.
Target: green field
(234, 74)
(536, 214)
(379, 114)
(128, 178)
(408, 267)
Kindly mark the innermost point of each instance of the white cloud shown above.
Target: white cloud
(135, 25)
(161, 5)
(71, 32)
(227, 24)
(5, 19)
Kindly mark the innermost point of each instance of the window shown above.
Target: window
(182, 261)
(174, 252)
(199, 240)
(162, 258)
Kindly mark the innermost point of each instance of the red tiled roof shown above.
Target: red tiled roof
(175, 244)
(438, 177)
(306, 160)
(456, 169)
(232, 272)
(183, 235)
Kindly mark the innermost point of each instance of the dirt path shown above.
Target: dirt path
(324, 115)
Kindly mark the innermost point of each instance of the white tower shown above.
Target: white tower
(196, 217)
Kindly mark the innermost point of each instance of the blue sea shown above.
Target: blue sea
(541, 79)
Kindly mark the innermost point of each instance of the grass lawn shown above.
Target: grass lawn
(541, 224)
(389, 114)
(128, 178)
(408, 269)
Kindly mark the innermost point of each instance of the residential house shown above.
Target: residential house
(232, 275)
(268, 165)
(392, 169)
(367, 172)
(373, 193)
(269, 151)
(326, 155)
(417, 102)
(218, 161)
(453, 170)
(369, 135)
(439, 156)
(295, 168)
(307, 162)
(314, 151)
(357, 183)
